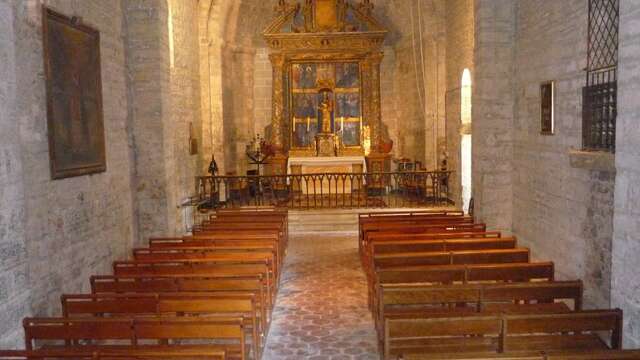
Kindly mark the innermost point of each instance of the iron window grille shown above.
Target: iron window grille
(599, 96)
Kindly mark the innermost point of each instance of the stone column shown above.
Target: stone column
(375, 117)
(277, 100)
(279, 161)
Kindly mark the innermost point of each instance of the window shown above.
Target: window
(465, 141)
(599, 96)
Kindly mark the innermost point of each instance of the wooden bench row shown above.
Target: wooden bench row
(208, 295)
(441, 285)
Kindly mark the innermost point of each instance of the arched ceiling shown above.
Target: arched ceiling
(241, 22)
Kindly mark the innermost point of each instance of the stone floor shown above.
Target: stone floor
(321, 309)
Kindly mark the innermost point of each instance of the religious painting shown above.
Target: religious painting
(348, 105)
(304, 76)
(326, 74)
(305, 131)
(547, 114)
(305, 105)
(350, 133)
(74, 96)
(347, 75)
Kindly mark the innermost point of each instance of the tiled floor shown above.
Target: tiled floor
(321, 309)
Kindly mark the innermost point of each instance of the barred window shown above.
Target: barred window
(599, 96)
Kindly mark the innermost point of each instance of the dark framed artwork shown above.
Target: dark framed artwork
(547, 111)
(74, 96)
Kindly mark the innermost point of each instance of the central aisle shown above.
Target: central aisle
(321, 309)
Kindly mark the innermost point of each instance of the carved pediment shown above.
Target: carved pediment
(324, 25)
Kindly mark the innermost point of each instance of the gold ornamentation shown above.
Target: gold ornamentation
(333, 41)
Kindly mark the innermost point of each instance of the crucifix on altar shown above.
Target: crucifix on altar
(326, 58)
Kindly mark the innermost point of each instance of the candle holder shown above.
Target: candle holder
(259, 151)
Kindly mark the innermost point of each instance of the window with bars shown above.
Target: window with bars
(599, 96)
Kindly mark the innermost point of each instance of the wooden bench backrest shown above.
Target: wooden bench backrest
(479, 294)
(129, 354)
(493, 256)
(158, 303)
(129, 329)
(442, 245)
(213, 243)
(145, 284)
(191, 267)
(503, 326)
(467, 273)
(534, 355)
(373, 237)
(218, 256)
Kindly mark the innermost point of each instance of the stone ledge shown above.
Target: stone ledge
(593, 160)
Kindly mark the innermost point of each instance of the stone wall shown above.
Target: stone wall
(564, 213)
(74, 227)
(15, 294)
(626, 235)
(459, 56)
(492, 112)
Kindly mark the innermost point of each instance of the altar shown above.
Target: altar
(326, 113)
(327, 165)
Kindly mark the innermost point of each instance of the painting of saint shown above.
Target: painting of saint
(326, 72)
(305, 106)
(347, 75)
(348, 105)
(304, 76)
(304, 133)
(351, 133)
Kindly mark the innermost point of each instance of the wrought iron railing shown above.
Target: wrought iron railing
(330, 190)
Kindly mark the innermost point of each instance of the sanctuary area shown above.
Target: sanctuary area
(319, 179)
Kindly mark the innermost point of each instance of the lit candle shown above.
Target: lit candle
(342, 124)
(308, 122)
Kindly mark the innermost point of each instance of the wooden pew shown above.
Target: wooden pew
(415, 300)
(232, 245)
(416, 246)
(96, 334)
(129, 354)
(491, 256)
(503, 333)
(534, 355)
(373, 223)
(379, 238)
(167, 304)
(461, 274)
(249, 237)
(197, 268)
(220, 286)
(210, 255)
(393, 230)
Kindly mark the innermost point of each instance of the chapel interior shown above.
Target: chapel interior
(319, 179)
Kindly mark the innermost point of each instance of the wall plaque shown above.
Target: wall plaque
(74, 96)
(547, 111)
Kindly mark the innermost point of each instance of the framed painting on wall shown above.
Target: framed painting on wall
(74, 96)
(547, 111)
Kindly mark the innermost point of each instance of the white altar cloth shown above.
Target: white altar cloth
(326, 161)
(320, 165)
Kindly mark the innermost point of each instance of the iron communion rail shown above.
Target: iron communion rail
(329, 190)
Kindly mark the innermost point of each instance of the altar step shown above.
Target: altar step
(325, 221)
(339, 221)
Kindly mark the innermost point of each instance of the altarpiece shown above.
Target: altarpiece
(326, 57)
